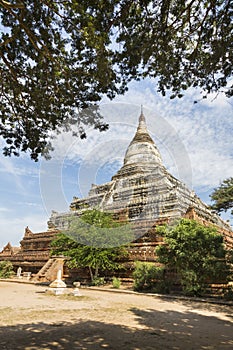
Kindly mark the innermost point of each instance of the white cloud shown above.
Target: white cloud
(7, 167)
(29, 204)
(3, 209)
(25, 166)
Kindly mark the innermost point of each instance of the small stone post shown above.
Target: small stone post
(58, 286)
(19, 271)
(76, 291)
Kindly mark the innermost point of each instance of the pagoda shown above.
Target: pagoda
(144, 193)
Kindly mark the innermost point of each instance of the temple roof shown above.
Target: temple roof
(9, 250)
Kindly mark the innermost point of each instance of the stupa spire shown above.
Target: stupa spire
(142, 117)
(142, 122)
(142, 150)
(142, 134)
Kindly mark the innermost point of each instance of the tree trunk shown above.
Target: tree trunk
(91, 273)
(96, 271)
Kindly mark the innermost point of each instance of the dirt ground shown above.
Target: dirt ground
(31, 319)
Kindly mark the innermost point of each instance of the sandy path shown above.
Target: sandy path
(33, 320)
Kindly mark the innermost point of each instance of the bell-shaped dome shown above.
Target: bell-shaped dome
(142, 148)
(142, 156)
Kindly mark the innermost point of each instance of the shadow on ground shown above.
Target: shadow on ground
(154, 330)
(211, 306)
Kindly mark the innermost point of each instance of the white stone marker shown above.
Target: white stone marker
(58, 286)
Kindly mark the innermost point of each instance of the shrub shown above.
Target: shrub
(147, 276)
(196, 252)
(6, 269)
(98, 281)
(116, 283)
(190, 283)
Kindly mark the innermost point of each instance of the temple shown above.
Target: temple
(142, 192)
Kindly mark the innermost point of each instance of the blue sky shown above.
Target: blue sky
(195, 141)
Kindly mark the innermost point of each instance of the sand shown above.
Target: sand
(31, 319)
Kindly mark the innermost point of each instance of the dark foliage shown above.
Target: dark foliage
(58, 58)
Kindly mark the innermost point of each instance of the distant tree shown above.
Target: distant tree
(195, 252)
(6, 269)
(222, 196)
(95, 240)
(58, 58)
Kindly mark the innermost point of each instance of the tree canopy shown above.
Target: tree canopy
(94, 240)
(222, 196)
(195, 252)
(58, 58)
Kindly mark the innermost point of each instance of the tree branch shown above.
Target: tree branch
(7, 5)
(7, 63)
(8, 40)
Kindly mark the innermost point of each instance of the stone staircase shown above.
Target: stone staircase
(107, 195)
(48, 272)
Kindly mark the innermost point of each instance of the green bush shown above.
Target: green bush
(190, 284)
(6, 269)
(196, 252)
(116, 283)
(147, 276)
(98, 281)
